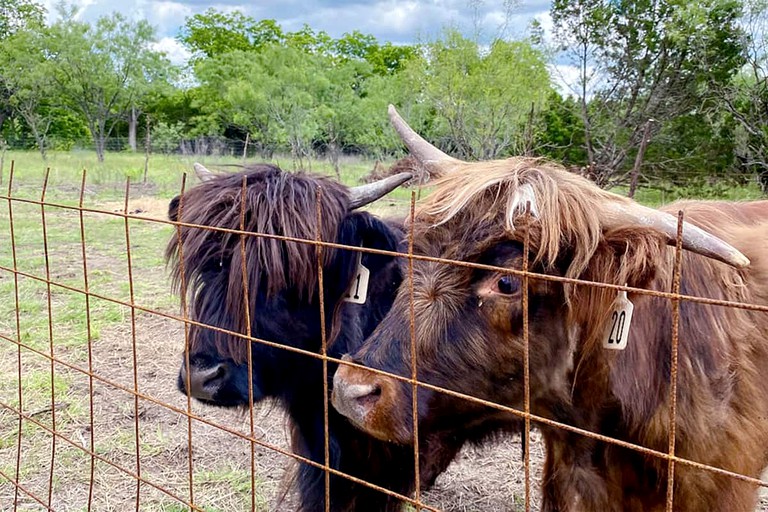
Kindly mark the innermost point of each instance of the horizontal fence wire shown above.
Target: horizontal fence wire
(94, 375)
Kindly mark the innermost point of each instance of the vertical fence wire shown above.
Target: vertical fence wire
(526, 363)
(50, 332)
(135, 361)
(323, 345)
(185, 315)
(414, 367)
(18, 336)
(674, 362)
(248, 346)
(89, 340)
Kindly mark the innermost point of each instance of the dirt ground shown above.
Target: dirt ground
(488, 478)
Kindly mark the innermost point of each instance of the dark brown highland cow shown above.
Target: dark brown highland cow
(469, 333)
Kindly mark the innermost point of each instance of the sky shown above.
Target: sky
(398, 21)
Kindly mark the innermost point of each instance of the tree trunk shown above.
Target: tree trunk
(4, 114)
(40, 141)
(100, 142)
(333, 150)
(133, 121)
(147, 146)
(639, 159)
(245, 146)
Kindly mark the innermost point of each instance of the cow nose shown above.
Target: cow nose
(204, 382)
(354, 400)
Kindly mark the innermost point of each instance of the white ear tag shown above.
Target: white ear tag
(617, 330)
(358, 288)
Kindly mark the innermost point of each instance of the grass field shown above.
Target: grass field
(98, 330)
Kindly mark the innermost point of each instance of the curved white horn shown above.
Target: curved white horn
(434, 161)
(366, 194)
(695, 239)
(202, 173)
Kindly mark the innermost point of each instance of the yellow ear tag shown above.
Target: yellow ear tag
(617, 331)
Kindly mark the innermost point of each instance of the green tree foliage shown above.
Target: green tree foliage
(273, 94)
(641, 60)
(384, 59)
(481, 100)
(300, 91)
(27, 75)
(15, 15)
(215, 33)
(103, 70)
(744, 99)
(166, 138)
(560, 131)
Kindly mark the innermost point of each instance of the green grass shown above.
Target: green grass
(727, 192)
(106, 180)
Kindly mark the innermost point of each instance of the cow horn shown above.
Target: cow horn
(202, 173)
(434, 161)
(366, 194)
(695, 239)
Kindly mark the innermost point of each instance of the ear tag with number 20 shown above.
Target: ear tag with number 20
(617, 330)
(358, 288)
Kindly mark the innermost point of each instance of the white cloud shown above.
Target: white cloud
(175, 51)
(398, 21)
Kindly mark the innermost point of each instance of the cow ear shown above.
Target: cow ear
(630, 256)
(173, 209)
(366, 230)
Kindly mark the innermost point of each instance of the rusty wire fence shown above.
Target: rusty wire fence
(46, 418)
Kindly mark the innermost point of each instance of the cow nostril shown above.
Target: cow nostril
(219, 374)
(205, 382)
(369, 400)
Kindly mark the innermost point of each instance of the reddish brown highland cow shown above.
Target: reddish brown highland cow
(469, 333)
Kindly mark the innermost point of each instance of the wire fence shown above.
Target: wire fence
(26, 411)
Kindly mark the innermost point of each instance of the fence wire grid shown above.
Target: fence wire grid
(44, 416)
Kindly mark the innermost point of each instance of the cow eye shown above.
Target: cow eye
(507, 285)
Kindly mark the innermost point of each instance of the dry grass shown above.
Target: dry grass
(483, 479)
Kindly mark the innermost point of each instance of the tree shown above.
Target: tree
(27, 75)
(560, 131)
(384, 59)
(642, 60)
(102, 70)
(15, 15)
(338, 111)
(480, 100)
(745, 98)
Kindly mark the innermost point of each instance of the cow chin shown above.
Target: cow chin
(370, 401)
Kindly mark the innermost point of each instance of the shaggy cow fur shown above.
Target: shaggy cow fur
(469, 338)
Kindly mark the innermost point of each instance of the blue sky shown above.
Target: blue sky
(399, 21)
